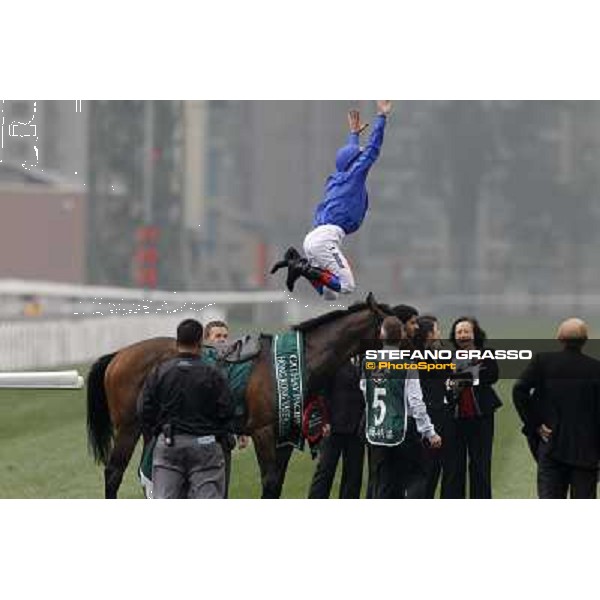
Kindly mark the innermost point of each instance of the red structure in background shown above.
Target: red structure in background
(146, 257)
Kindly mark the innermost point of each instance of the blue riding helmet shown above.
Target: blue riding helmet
(346, 155)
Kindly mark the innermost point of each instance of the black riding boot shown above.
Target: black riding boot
(317, 276)
(300, 267)
(290, 260)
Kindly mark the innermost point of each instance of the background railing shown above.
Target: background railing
(44, 325)
(43, 344)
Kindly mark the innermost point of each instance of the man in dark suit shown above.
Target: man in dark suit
(558, 399)
(433, 386)
(345, 406)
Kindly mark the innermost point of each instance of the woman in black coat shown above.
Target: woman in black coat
(470, 435)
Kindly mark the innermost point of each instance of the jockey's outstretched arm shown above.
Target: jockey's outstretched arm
(353, 138)
(371, 152)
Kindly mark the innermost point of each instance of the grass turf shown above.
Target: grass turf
(43, 453)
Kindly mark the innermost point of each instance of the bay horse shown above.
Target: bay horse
(115, 381)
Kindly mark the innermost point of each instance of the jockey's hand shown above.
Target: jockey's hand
(384, 107)
(243, 441)
(326, 430)
(354, 122)
(435, 441)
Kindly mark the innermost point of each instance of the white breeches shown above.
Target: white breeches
(322, 248)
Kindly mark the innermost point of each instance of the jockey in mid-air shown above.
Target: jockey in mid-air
(340, 213)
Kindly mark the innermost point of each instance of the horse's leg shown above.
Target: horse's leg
(125, 442)
(272, 461)
(283, 456)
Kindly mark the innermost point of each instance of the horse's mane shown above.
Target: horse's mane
(334, 315)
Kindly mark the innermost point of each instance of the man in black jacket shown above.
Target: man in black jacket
(558, 399)
(433, 386)
(187, 404)
(345, 406)
(413, 447)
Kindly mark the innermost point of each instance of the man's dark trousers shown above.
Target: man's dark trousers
(350, 447)
(428, 461)
(555, 479)
(391, 470)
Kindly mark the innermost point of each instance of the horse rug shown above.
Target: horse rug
(289, 376)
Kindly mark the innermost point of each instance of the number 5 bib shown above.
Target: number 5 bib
(385, 409)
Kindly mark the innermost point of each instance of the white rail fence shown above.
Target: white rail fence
(42, 380)
(44, 344)
(75, 324)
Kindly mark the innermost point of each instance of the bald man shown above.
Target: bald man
(558, 399)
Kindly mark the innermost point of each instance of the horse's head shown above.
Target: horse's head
(332, 338)
(381, 311)
(375, 317)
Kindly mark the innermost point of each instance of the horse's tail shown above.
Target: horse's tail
(99, 425)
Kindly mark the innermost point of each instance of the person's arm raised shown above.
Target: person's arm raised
(384, 107)
(371, 152)
(356, 128)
